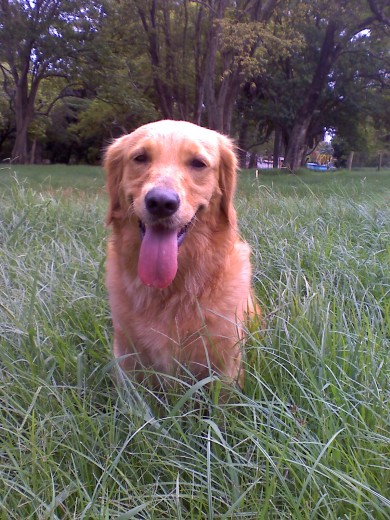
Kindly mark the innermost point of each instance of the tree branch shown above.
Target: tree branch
(67, 91)
(205, 4)
(379, 12)
(6, 73)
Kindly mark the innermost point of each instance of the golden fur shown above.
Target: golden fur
(196, 320)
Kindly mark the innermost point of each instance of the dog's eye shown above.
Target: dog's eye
(198, 164)
(141, 158)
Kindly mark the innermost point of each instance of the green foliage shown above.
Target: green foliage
(354, 86)
(244, 68)
(100, 117)
(41, 40)
(308, 437)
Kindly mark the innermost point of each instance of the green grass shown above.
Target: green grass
(54, 176)
(91, 179)
(357, 183)
(307, 438)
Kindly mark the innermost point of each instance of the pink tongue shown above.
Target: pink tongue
(157, 263)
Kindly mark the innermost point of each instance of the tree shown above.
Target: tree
(41, 39)
(200, 53)
(236, 31)
(303, 97)
(361, 114)
(269, 100)
(340, 23)
(251, 68)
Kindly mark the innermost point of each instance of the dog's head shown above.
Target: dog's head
(167, 175)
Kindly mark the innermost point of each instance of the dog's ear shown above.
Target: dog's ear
(113, 165)
(227, 178)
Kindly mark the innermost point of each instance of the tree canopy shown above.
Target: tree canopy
(75, 73)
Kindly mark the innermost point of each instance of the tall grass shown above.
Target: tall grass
(306, 438)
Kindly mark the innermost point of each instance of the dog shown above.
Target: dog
(177, 273)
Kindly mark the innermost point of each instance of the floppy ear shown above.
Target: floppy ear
(113, 165)
(227, 178)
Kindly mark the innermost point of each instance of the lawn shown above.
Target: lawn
(308, 437)
(54, 177)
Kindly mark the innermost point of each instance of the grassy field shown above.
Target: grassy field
(309, 435)
(53, 177)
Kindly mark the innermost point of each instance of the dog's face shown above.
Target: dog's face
(163, 177)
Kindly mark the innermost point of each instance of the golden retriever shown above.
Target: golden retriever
(178, 275)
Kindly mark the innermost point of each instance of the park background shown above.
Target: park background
(277, 75)
(307, 437)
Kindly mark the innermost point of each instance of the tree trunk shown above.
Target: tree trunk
(350, 160)
(242, 143)
(23, 116)
(19, 153)
(164, 94)
(297, 143)
(297, 139)
(199, 71)
(380, 161)
(25, 94)
(277, 147)
(33, 152)
(252, 160)
(210, 98)
(220, 101)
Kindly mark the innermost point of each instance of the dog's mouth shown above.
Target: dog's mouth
(157, 262)
(181, 234)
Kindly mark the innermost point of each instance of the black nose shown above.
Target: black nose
(162, 202)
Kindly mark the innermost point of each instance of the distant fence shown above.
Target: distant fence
(361, 160)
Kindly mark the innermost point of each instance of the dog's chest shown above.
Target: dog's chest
(173, 320)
